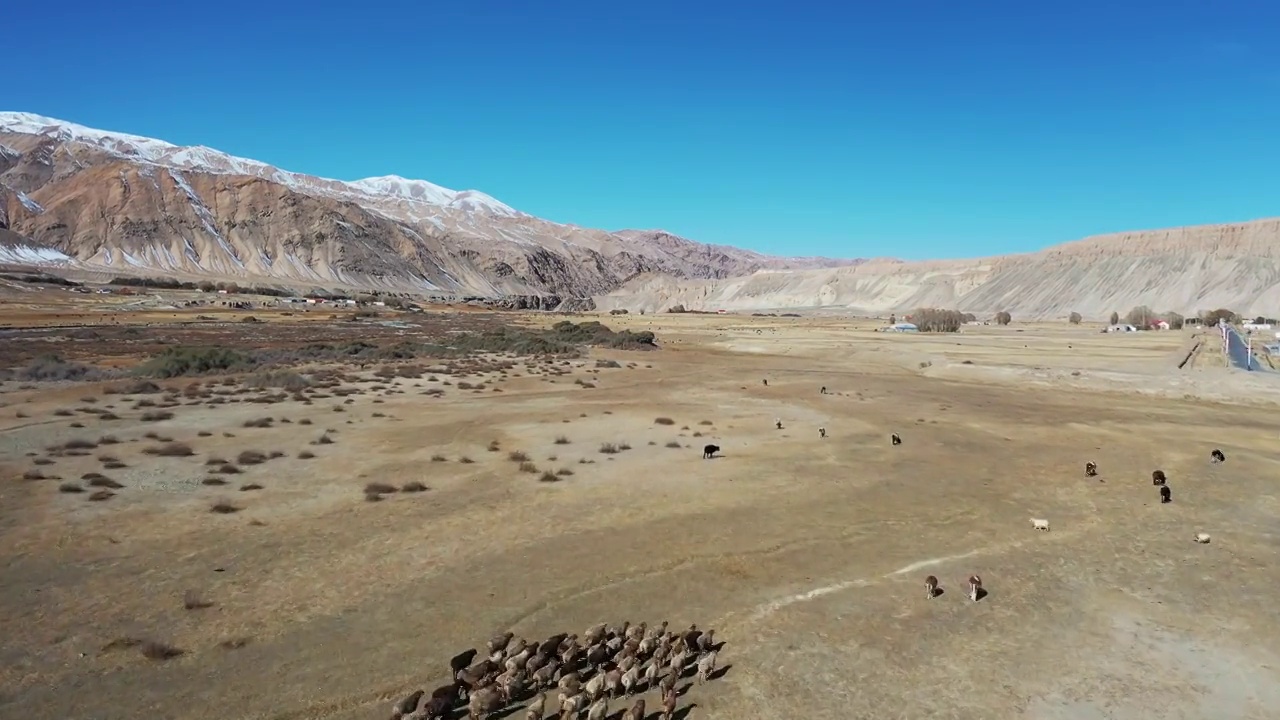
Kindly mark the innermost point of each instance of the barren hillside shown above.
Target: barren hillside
(110, 201)
(1183, 269)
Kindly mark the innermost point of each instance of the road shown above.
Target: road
(1238, 351)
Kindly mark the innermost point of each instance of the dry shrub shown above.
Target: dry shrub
(304, 421)
(35, 475)
(465, 460)
(101, 481)
(372, 497)
(156, 415)
(42, 461)
(77, 444)
(108, 440)
(306, 455)
(70, 488)
(251, 457)
(101, 495)
(528, 467)
(224, 507)
(705, 422)
(114, 465)
(173, 449)
(227, 469)
(159, 651)
(937, 320)
(564, 472)
(562, 440)
(213, 481)
(549, 477)
(438, 458)
(664, 421)
(259, 422)
(191, 600)
(250, 486)
(413, 486)
(324, 440)
(379, 488)
(235, 643)
(609, 449)
(62, 412)
(674, 444)
(517, 456)
(494, 446)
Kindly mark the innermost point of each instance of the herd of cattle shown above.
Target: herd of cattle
(585, 673)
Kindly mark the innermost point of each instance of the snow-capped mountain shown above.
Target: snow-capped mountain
(135, 204)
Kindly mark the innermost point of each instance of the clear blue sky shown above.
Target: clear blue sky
(927, 128)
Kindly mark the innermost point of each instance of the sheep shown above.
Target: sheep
(975, 587)
(706, 641)
(599, 710)
(1040, 524)
(669, 705)
(499, 642)
(484, 702)
(668, 683)
(677, 663)
(706, 666)
(1166, 495)
(460, 661)
(651, 672)
(822, 432)
(536, 707)
(931, 587)
(595, 633)
(1090, 469)
(630, 679)
(1217, 456)
(518, 662)
(574, 704)
(709, 451)
(636, 712)
(441, 703)
(407, 705)
(1157, 477)
(1202, 538)
(546, 674)
(595, 686)
(612, 681)
(657, 632)
(895, 439)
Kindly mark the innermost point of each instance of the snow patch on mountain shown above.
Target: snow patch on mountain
(27, 255)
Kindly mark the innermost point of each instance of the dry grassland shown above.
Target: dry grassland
(315, 542)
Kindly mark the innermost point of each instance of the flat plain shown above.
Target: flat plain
(314, 593)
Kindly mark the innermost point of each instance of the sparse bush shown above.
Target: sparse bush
(465, 460)
(213, 481)
(438, 458)
(191, 600)
(306, 455)
(705, 422)
(101, 481)
(664, 421)
(936, 320)
(251, 457)
(1075, 318)
(101, 495)
(565, 472)
(413, 486)
(324, 439)
(250, 486)
(259, 422)
(1115, 318)
(173, 449)
(49, 368)
(372, 497)
(34, 475)
(624, 446)
(108, 440)
(549, 477)
(159, 651)
(528, 467)
(156, 416)
(78, 444)
(609, 449)
(562, 440)
(517, 456)
(227, 469)
(1003, 318)
(180, 361)
(674, 444)
(69, 487)
(379, 488)
(224, 507)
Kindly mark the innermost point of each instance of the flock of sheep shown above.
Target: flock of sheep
(585, 673)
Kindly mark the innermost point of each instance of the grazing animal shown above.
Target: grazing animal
(778, 422)
(484, 702)
(407, 705)
(1040, 524)
(499, 642)
(1090, 469)
(822, 432)
(706, 666)
(460, 661)
(707, 640)
(931, 587)
(824, 390)
(668, 683)
(630, 679)
(1202, 537)
(612, 681)
(1166, 495)
(709, 451)
(651, 673)
(669, 705)
(895, 439)
(595, 686)
(975, 586)
(1157, 477)
(600, 710)
(536, 707)
(573, 705)
(636, 712)
(1217, 456)
(441, 703)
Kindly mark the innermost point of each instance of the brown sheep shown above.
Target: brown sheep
(499, 642)
(595, 686)
(975, 587)
(630, 679)
(599, 710)
(407, 705)
(571, 682)
(594, 634)
(612, 681)
(484, 702)
(536, 707)
(636, 712)
(657, 632)
(668, 683)
(931, 586)
(707, 641)
(669, 705)
(651, 673)
(546, 674)
(573, 704)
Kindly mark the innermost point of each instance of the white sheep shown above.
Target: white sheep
(1040, 523)
(1202, 537)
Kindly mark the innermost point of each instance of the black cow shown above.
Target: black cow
(1166, 495)
(1217, 456)
(709, 451)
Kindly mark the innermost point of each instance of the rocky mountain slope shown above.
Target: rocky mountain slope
(101, 200)
(1236, 266)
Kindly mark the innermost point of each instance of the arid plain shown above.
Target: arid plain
(304, 598)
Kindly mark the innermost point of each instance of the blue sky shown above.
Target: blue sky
(930, 128)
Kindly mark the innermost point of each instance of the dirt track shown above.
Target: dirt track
(807, 555)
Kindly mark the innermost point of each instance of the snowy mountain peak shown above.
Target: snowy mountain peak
(425, 196)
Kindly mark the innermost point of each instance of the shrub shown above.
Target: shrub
(609, 449)
(674, 444)
(250, 486)
(180, 361)
(528, 467)
(549, 477)
(173, 449)
(108, 440)
(1115, 318)
(1075, 318)
(191, 600)
(101, 495)
(705, 422)
(259, 423)
(224, 507)
(251, 457)
(159, 651)
(156, 415)
(372, 497)
(324, 439)
(379, 488)
(306, 455)
(102, 481)
(213, 481)
(664, 421)
(227, 469)
(1003, 318)
(465, 460)
(52, 367)
(517, 456)
(936, 320)
(78, 444)
(70, 488)
(565, 472)
(562, 440)
(413, 486)
(624, 446)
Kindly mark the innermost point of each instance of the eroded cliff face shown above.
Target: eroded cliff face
(140, 206)
(1182, 269)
